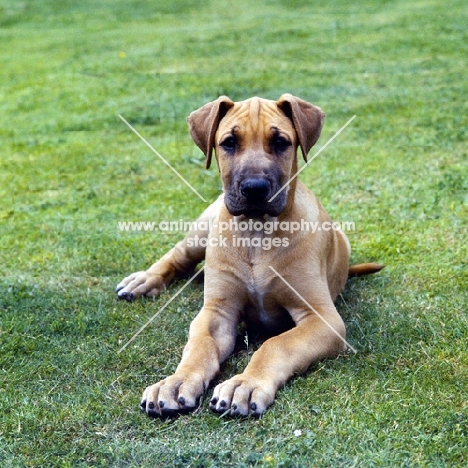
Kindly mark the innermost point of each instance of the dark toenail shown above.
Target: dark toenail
(143, 405)
(222, 403)
(213, 401)
(119, 289)
(234, 406)
(161, 404)
(253, 406)
(182, 400)
(152, 413)
(150, 405)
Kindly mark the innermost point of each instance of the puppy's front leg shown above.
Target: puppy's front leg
(279, 358)
(211, 340)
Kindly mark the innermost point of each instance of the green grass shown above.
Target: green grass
(70, 170)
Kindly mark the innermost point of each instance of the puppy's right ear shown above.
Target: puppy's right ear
(204, 122)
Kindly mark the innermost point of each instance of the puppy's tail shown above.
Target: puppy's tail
(364, 269)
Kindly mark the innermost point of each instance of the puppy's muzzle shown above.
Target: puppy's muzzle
(255, 189)
(250, 196)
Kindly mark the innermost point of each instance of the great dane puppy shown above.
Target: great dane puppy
(257, 270)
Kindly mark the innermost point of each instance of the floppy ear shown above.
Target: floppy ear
(307, 120)
(204, 122)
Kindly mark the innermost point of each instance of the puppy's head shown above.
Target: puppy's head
(255, 143)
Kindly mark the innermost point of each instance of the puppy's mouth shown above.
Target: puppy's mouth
(252, 196)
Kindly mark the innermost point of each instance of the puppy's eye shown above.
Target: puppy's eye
(228, 144)
(280, 144)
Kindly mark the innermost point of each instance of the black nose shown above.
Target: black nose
(255, 189)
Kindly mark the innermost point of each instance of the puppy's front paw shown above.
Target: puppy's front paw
(173, 395)
(139, 284)
(243, 396)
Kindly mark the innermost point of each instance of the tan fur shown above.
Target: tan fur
(240, 284)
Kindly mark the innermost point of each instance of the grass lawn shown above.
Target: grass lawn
(70, 170)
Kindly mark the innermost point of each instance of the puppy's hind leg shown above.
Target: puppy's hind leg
(179, 261)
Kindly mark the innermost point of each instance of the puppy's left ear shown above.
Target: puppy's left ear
(204, 122)
(306, 118)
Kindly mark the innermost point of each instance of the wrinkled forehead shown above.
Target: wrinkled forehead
(255, 116)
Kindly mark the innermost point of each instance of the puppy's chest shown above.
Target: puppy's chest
(256, 287)
(254, 253)
(251, 246)
(249, 258)
(262, 309)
